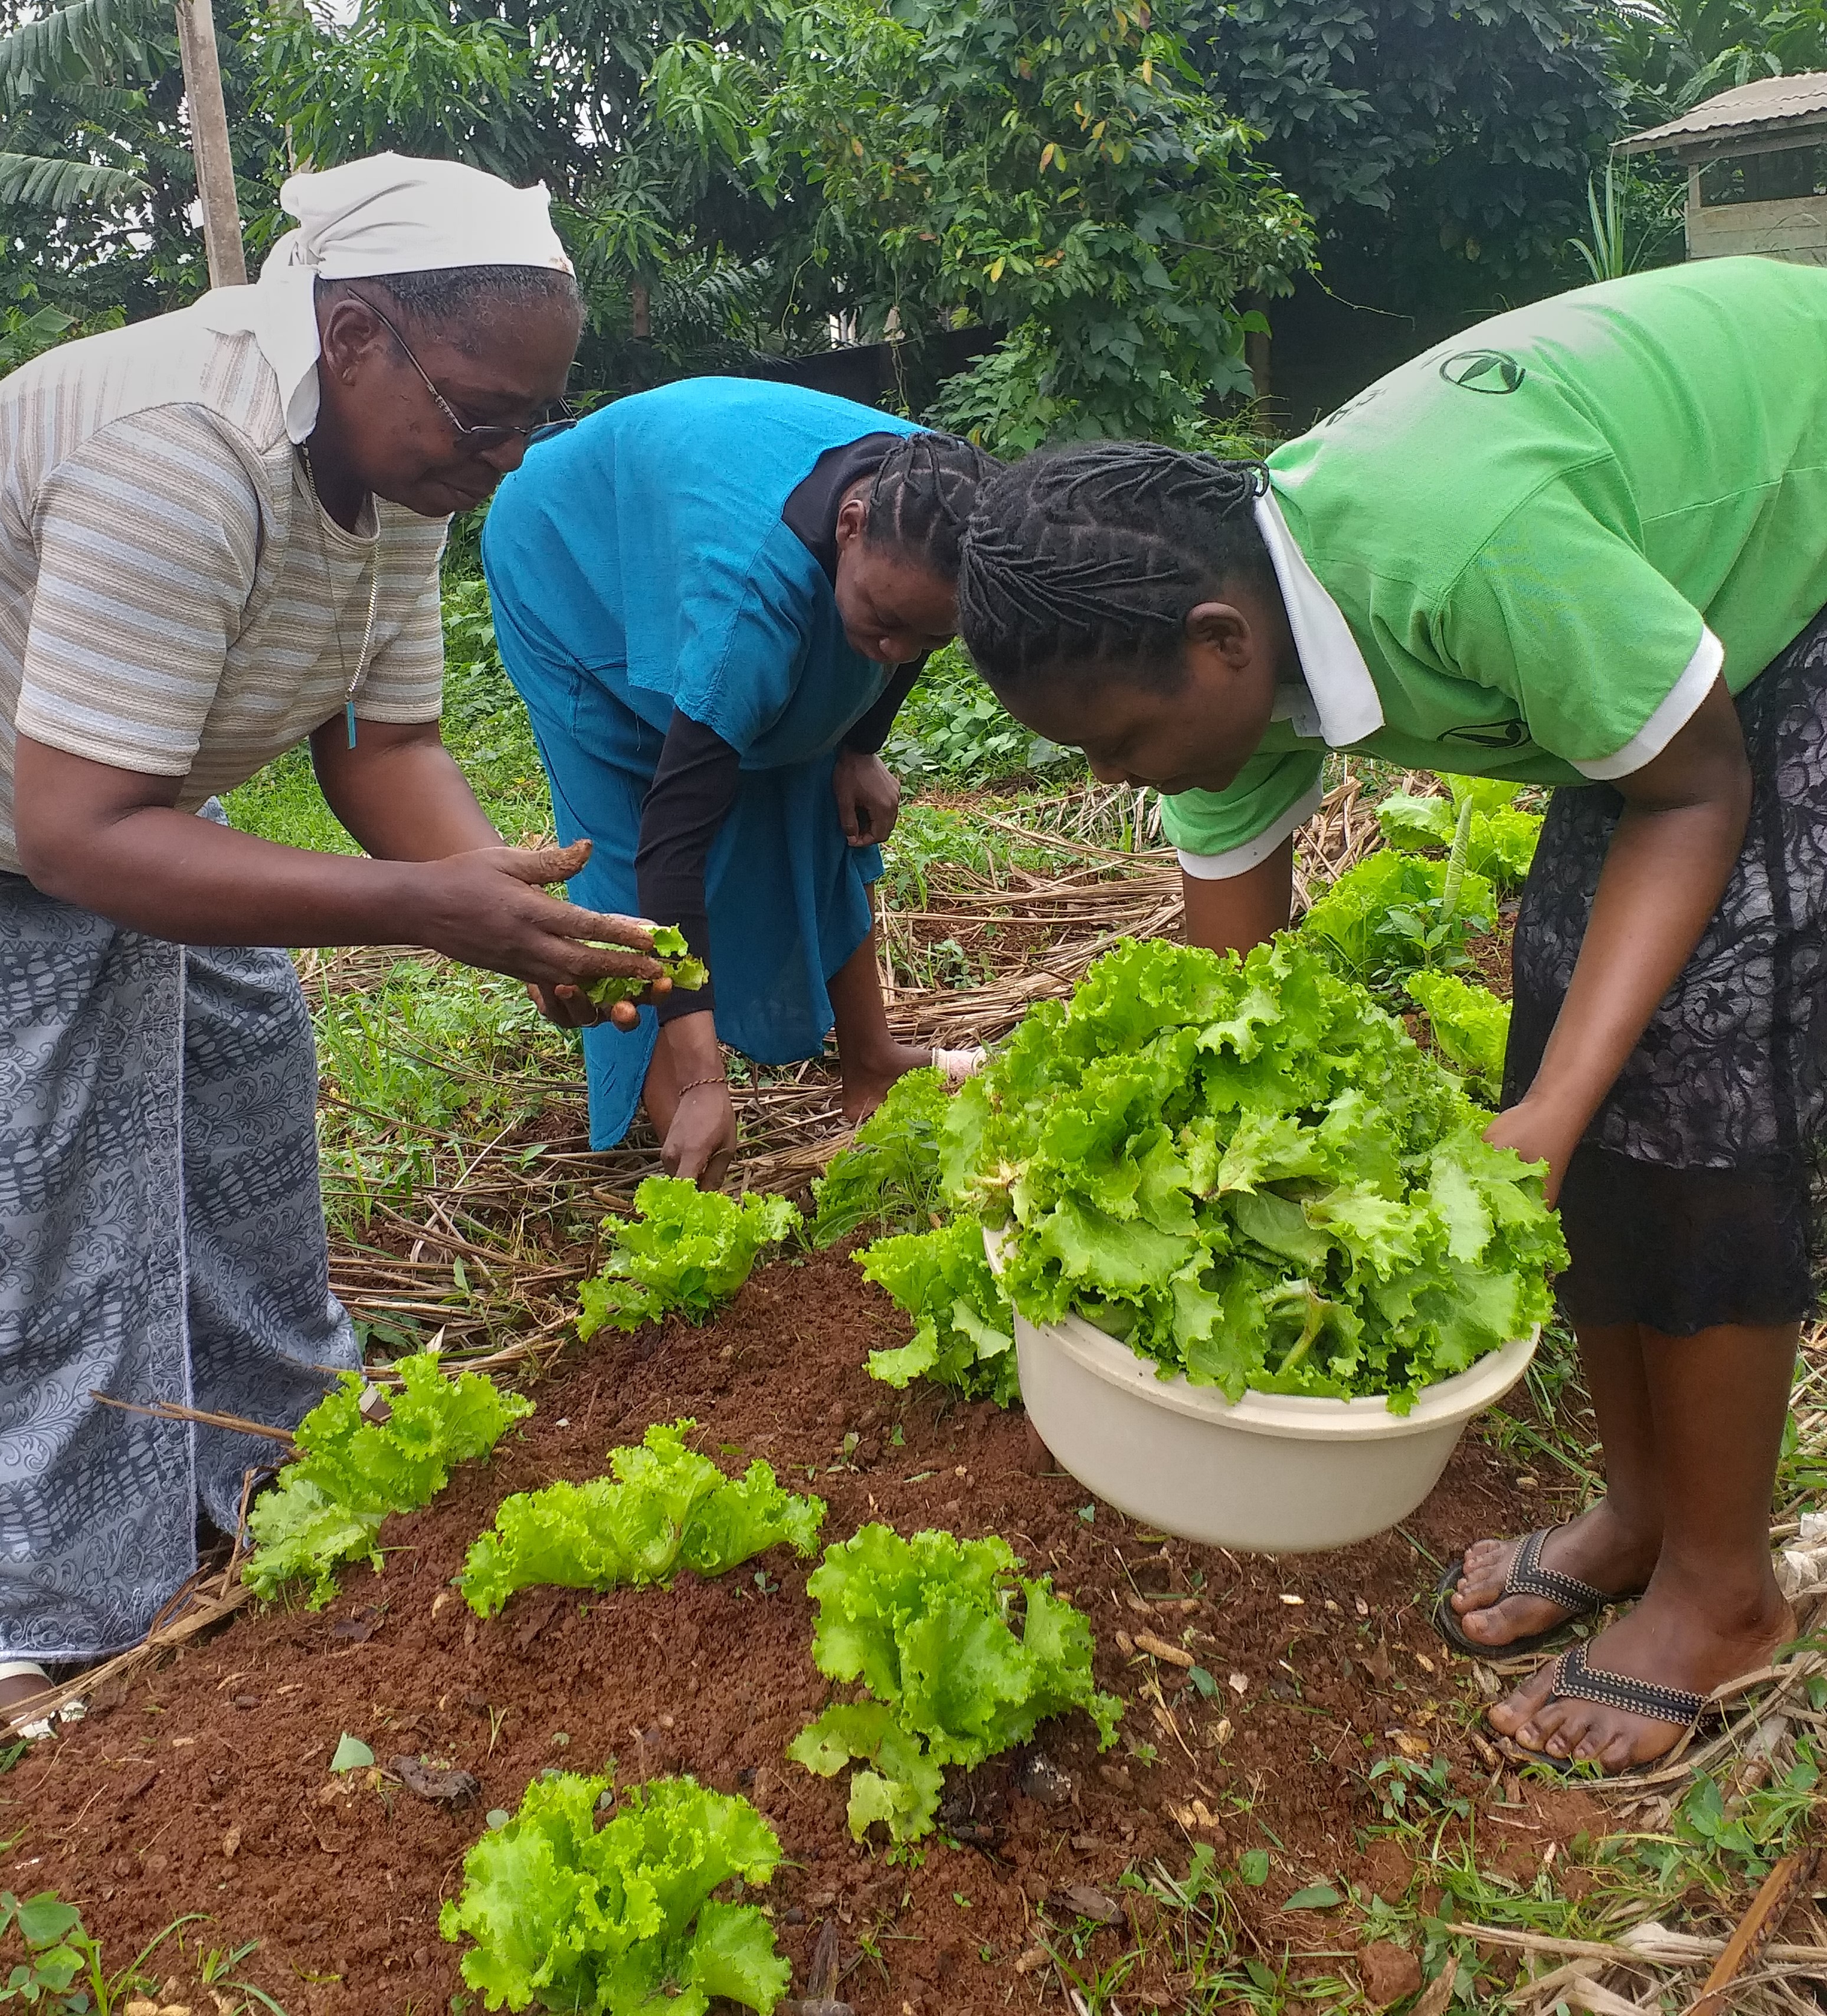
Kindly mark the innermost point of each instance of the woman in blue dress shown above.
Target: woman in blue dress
(712, 597)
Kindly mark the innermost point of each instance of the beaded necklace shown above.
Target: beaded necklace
(352, 682)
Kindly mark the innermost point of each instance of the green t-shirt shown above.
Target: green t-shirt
(1547, 537)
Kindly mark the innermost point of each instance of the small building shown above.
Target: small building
(1756, 163)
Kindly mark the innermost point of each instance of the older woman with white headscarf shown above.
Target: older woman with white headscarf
(219, 536)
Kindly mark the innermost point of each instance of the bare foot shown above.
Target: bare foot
(868, 1080)
(1596, 1547)
(1676, 1639)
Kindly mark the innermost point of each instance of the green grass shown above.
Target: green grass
(953, 730)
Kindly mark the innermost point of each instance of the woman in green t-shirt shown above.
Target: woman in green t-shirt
(1199, 628)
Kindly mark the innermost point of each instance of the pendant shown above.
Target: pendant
(349, 719)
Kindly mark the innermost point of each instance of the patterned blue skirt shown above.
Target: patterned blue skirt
(161, 1238)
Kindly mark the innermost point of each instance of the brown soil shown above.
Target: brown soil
(205, 1787)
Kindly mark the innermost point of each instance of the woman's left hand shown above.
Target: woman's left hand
(1538, 1134)
(868, 795)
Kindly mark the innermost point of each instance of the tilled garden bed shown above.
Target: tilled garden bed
(205, 1786)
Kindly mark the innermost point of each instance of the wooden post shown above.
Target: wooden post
(209, 144)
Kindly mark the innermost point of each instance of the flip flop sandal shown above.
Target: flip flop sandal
(1526, 1577)
(1575, 1681)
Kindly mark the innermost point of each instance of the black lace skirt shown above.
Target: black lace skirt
(1692, 1200)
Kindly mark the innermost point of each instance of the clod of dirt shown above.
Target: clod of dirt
(1086, 1903)
(1041, 1780)
(1389, 1974)
(1388, 1870)
(534, 1617)
(426, 1781)
(357, 1627)
(821, 1981)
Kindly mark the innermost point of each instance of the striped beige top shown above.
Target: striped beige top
(172, 599)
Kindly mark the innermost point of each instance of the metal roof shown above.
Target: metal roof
(1772, 105)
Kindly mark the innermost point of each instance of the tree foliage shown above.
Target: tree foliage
(1057, 170)
(1429, 136)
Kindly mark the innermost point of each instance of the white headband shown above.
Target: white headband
(390, 214)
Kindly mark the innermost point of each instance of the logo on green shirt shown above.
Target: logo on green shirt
(1487, 734)
(1481, 370)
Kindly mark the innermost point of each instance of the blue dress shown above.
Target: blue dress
(640, 563)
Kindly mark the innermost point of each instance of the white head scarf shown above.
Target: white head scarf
(390, 214)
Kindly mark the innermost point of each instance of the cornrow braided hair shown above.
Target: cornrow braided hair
(1093, 555)
(923, 496)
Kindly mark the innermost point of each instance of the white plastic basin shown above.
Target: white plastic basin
(1276, 1474)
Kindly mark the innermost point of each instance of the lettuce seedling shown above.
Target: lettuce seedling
(1470, 1028)
(621, 1919)
(665, 1508)
(327, 1506)
(925, 1625)
(669, 948)
(964, 1328)
(1502, 841)
(684, 1249)
(888, 1177)
(1390, 916)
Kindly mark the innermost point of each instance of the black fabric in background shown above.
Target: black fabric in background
(699, 773)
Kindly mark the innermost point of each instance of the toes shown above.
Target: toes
(1498, 1625)
(1511, 1716)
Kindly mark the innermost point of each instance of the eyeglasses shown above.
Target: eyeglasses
(480, 438)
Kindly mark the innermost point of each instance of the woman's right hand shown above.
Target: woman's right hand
(486, 909)
(701, 1143)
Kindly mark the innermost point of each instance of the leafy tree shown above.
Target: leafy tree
(1670, 54)
(1442, 145)
(1051, 167)
(97, 180)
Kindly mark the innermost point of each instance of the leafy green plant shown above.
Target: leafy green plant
(1471, 1027)
(1407, 1790)
(685, 1249)
(925, 1625)
(887, 1177)
(622, 1918)
(952, 729)
(1751, 1833)
(1053, 170)
(964, 1328)
(1389, 916)
(665, 1508)
(326, 1508)
(1252, 1174)
(62, 1969)
(670, 950)
(1501, 842)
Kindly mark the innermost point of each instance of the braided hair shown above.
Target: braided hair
(923, 496)
(1093, 555)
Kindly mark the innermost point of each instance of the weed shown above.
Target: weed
(1715, 1838)
(952, 729)
(61, 1970)
(1409, 1791)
